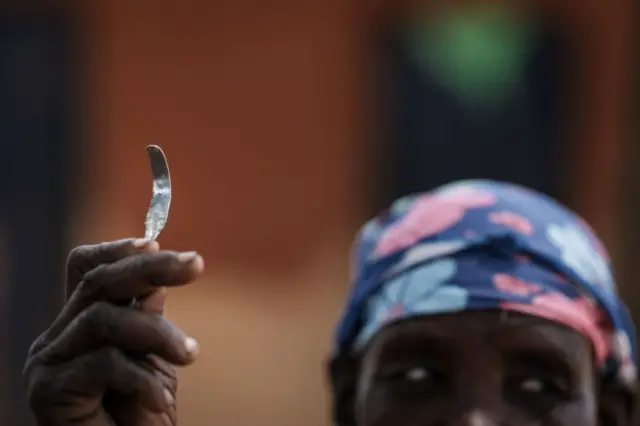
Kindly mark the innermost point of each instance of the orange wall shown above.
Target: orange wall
(254, 104)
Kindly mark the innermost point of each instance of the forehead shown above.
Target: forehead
(470, 334)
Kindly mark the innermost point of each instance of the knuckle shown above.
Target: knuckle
(77, 262)
(79, 255)
(37, 345)
(97, 319)
(108, 358)
(93, 281)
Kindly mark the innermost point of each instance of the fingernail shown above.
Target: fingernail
(187, 257)
(191, 345)
(168, 396)
(140, 242)
(143, 243)
(198, 264)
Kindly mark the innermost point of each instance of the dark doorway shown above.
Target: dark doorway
(37, 69)
(429, 137)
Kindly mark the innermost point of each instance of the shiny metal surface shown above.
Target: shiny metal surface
(161, 197)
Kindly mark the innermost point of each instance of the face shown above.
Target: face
(477, 369)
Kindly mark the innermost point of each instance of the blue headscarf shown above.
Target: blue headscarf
(478, 245)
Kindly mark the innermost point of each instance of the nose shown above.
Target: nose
(477, 405)
(477, 418)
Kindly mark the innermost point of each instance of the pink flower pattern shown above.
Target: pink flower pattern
(579, 314)
(558, 269)
(430, 215)
(512, 220)
(512, 285)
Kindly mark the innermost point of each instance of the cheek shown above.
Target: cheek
(377, 407)
(578, 413)
(582, 410)
(377, 410)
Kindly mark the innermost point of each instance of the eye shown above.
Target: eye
(412, 381)
(537, 394)
(532, 385)
(412, 376)
(418, 374)
(538, 385)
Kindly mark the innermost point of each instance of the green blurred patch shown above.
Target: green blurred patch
(478, 52)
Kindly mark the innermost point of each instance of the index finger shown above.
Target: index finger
(132, 277)
(83, 259)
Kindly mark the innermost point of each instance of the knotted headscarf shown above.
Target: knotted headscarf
(478, 245)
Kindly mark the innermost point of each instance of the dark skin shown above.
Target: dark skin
(102, 362)
(476, 369)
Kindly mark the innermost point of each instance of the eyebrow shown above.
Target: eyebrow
(410, 344)
(543, 359)
(525, 340)
(547, 349)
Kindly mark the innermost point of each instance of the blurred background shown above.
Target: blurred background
(286, 124)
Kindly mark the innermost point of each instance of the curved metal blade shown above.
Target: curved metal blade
(161, 198)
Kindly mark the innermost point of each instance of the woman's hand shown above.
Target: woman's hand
(103, 361)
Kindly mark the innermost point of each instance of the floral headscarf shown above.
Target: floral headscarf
(477, 245)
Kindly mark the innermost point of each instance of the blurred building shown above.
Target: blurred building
(285, 123)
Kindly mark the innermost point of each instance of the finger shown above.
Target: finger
(139, 275)
(132, 277)
(82, 259)
(125, 411)
(93, 373)
(129, 330)
(129, 379)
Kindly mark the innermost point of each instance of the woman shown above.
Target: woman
(478, 304)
